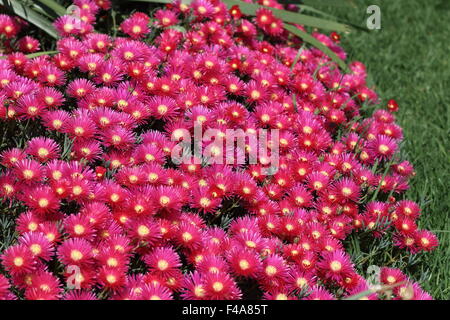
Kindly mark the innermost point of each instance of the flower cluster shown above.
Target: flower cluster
(110, 215)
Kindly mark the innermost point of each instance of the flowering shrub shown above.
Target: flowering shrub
(107, 213)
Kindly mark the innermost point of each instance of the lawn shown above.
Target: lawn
(408, 60)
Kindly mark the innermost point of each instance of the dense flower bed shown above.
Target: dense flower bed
(107, 212)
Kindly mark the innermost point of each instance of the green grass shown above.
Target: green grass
(408, 60)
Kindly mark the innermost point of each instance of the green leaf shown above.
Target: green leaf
(53, 5)
(178, 28)
(319, 45)
(30, 15)
(329, 16)
(44, 12)
(289, 16)
(311, 9)
(42, 53)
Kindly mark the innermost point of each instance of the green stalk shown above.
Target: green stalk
(56, 7)
(382, 178)
(36, 54)
(42, 53)
(366, 293)
(297, 56)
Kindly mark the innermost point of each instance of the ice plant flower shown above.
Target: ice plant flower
(105, 199)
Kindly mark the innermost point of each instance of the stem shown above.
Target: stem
(34, 55)
(382, 178)
(38, 54)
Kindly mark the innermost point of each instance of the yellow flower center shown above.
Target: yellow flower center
(346, 191)
(112, 262)
(18, 261)
(143, 231)
(164, 200)
(335, 266)
(43, 203)
(218, 286)
(163, 265)
(79, 229)
(76, 255)
(271, 270)
(244, 265)
(28, 174)
(199, 291)
(111, 278)
(186, 237)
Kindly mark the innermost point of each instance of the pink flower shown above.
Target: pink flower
(244, 262)
(18, 259)
(28, 44)
(220, 286)
(382, 147)
(135, 26)
(335, 265)
(75, 251)
(43, 149)
(156, 292)
(319, 293)
(163, 260)
(45, 286)
(79, 295)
